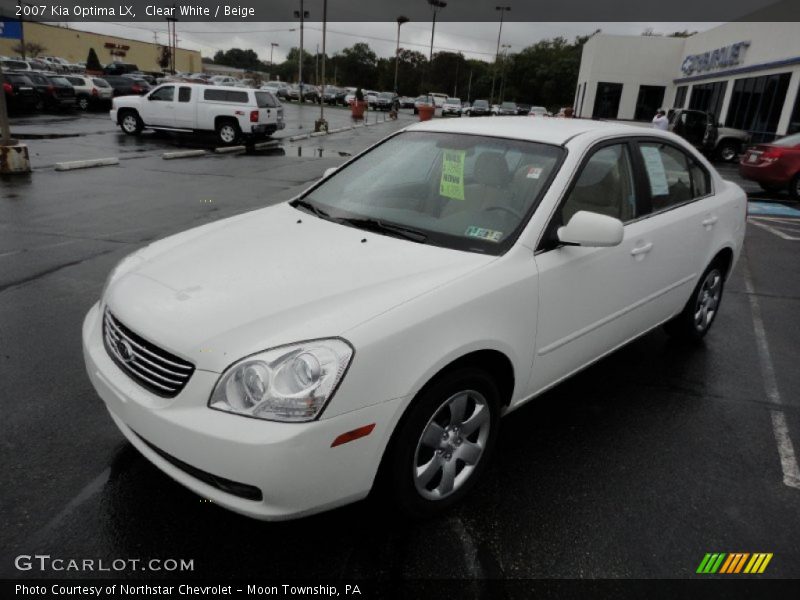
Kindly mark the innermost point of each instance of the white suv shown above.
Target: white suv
(234, 114)
(90, 91)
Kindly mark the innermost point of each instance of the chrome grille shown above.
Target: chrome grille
(151, 367)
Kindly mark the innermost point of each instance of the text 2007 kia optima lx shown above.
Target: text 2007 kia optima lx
(373, 331)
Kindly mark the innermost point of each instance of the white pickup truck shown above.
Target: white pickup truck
(233, 114)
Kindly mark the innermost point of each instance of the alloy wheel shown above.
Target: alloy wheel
(708, 300)
(227, 134)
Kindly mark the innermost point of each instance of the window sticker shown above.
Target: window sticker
(655, 171)
(490, 235)
(534, 173)
(452, 182)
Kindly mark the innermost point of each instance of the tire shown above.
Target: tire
(228, 132)
(770, 188)
(130, 122)
(701, 310)
(794, 187)
(83, 103)
(420, 442)
(728, 150)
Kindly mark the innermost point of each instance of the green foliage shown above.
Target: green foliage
(92, 62)
(241, 59)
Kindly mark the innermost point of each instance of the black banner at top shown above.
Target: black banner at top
(253, 11)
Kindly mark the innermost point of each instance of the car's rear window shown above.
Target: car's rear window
(15, 64)
(19, 79)
(60, 81)
(101, 83)
(266, 100)
(225, 96)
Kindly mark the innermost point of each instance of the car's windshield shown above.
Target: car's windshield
(789, 141)
(453, 101)
(508, 105)
(460, 191)
(480, 104)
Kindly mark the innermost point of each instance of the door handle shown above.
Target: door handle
(642, 250)
(708, 222)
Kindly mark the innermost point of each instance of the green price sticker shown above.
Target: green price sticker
(452, 183)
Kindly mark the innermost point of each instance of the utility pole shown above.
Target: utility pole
(436, 6)
(316, 67)
(272, 46)
(400, 21)
(21, 30)
(322, 124)
(5, 128)
(503, 10)
(302, 15)
(503, 72)
(469, 86)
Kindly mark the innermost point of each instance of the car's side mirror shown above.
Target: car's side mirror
(591, 229)
(329, 172)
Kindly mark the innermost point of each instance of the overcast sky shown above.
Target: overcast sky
(475, 40)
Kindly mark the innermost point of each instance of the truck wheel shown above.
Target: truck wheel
(130, 123)
(728, 150)
(228, 132)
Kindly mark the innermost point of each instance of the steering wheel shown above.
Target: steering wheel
(511, 211)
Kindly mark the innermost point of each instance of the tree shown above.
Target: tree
(164, 57)
(357, 65)
(92, 62)
(31, 49)
(241, 59)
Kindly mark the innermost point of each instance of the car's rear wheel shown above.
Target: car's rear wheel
(794, 187)
(228, 132)
(130, 123)
(444, 443)
(698, 315)
(728, 150)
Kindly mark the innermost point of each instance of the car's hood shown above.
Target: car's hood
(271, 277)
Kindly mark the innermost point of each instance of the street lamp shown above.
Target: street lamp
(503, 55)
(302, 15)
(503, 10)
(400, 21)
(322, 124)
(272, 47)
(436, 6)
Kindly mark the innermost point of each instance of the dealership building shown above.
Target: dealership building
(746, 73)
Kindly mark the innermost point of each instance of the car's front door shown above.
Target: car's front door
(592, 300)
(159, 107)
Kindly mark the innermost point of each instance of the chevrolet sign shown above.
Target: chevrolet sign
(715, 59)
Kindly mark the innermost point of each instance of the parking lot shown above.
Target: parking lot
(635, 468)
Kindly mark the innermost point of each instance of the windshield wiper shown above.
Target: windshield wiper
(313, 208)
(378, 226)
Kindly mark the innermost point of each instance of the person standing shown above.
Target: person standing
(660, 121)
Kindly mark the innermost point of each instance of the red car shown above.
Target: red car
(774, 166)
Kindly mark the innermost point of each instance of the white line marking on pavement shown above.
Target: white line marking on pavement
(775, 231)
(791, 471)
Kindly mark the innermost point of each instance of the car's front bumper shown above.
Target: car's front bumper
(292, 465)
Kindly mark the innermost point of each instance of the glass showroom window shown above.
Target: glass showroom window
(756, 105)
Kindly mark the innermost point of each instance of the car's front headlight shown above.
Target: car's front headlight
(289, 383)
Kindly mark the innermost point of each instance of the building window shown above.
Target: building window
(756, 105)
(606, 102)
(680, 97)
(794, 122)
(650, 99)
(708, 98)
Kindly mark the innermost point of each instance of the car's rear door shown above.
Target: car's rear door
(184, 111)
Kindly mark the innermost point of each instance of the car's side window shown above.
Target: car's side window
(184, 94)
(673, 177)
(604, 185)
(164, 94)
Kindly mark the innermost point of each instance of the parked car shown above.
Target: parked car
(54, 93)
(330, 94)
(701, 129)
(280, 89)
(119, 68)
(538, 111)
(406, 102)
(438, 99)
(124, 85)
(465, 108)
(20, 92)
(451, 106)
(523, 109)
(371, 98)
(775, 166)
(16, 64)
(90, 92)
(346, 362)
(233, 114)
(422, 101)
(480, 108)
(506, 109)
(223, 80)
(385, 101)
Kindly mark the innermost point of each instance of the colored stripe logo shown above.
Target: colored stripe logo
(734, 563)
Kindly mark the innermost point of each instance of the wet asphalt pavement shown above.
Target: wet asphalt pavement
(635, 468)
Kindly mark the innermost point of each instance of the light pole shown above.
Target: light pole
(322, 124)
(272, 47)
(302, 15)
(436, 6)
(400, 21)
(503, 10)
(503, 54)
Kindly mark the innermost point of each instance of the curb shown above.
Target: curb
(269, 144)
(86, 164)
(183, 154)
(229, 149)
(303, 136)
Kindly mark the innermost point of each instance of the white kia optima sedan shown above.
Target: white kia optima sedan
(371, 332)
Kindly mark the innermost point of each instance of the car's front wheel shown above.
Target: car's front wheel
(728, 150)
(698, 315)
(130, 123)
(444, 443)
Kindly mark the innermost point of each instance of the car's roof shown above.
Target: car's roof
(232, 88)
(549, 131)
